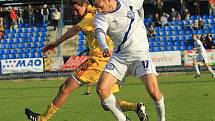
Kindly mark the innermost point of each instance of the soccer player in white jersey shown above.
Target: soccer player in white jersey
(200, 57)
(119, 19)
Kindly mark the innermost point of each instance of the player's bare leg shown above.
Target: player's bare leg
(89, 87)
(151, 84)
(210, 69)
(65, 90)
(195, 64)
(108, 100)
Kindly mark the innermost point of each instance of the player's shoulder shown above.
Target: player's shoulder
(198, 41)
(98, 14)
(132, 2)
(89, 17)
(100, 17)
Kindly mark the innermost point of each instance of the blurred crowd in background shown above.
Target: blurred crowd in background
(13, 17)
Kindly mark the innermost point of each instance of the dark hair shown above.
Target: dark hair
(91, 2)
(79, 2)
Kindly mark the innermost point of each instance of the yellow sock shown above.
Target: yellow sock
(51, 110)
(127, 106)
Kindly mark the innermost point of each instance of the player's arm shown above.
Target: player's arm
(101, 26)
(70, 33)
(101, 37)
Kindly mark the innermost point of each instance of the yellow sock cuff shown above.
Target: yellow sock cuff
(51, 110)
(53, 106)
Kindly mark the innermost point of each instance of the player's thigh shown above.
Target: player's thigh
(205, 58)
(206, 64)
(199, 58)
(106, 81)
(150, 82)
(70, 84)
(114, 70)
(89, 72)
(194, 61)
(146, 71)
(117, 68)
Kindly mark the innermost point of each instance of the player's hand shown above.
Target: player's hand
(107, 52)
(49, 47)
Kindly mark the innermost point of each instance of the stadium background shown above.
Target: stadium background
(174, 59)
(187, 99)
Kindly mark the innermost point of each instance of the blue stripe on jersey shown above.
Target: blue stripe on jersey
(125, 38)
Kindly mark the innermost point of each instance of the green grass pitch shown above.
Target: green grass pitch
(186, 98)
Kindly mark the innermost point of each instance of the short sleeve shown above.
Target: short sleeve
(82, 23)
(101, 22)
(86, 24)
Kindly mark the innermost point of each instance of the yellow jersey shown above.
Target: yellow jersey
(91, 43)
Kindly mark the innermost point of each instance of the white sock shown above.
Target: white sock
(211, 70)
(160, 108)
(110, 102)
(197, 69)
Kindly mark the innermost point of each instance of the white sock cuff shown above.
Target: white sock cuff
(109, 99)
(160, 102)
(110, 103)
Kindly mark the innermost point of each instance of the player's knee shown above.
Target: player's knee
(99, 91)
(102, 92)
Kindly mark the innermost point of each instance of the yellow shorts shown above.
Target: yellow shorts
(90, 71)
(115, 88)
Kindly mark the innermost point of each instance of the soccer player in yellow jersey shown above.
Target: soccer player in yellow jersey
(89, 72)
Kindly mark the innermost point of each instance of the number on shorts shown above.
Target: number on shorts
(145, 64)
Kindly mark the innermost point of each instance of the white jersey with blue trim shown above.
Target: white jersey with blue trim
(137, 4)
(200, 48)
(126, 29)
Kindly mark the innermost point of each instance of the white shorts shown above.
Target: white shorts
(202, 57)
(118, 68)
